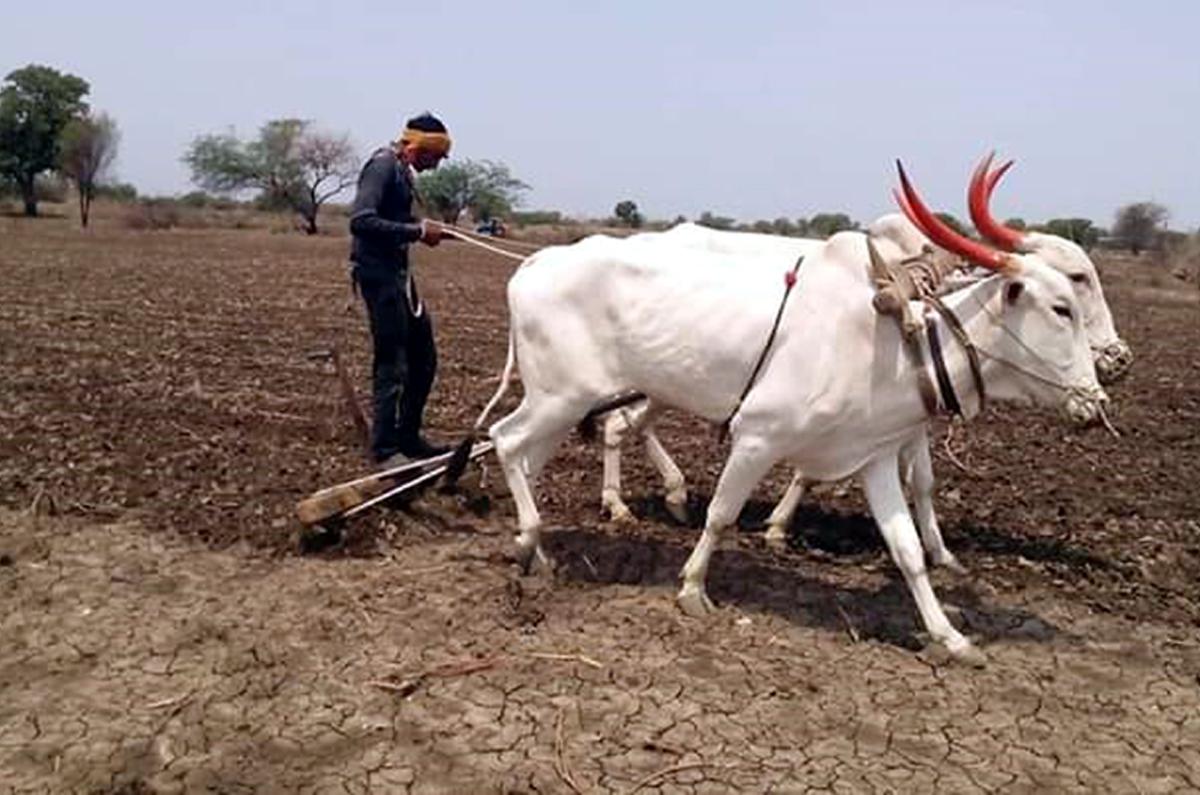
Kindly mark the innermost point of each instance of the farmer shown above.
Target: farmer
(382, 226)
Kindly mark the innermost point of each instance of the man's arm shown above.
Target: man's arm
(364, 215)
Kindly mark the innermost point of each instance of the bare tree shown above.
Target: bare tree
(291, 164)
(87, 149)
(328, 165)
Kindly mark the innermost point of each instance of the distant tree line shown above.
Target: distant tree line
(1138, 227)
(50, 136)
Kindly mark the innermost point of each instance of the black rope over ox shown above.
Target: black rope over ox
(789, 280)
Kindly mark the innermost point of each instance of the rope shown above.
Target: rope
(789, 283)
(1075, 391)
(519, 244)
(951, 454)
(972, 348)
(928, 272)
(456, 234)
(1107, 424)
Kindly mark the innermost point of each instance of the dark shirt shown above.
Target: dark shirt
(381, 219)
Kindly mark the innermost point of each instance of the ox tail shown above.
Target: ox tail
(462, 454)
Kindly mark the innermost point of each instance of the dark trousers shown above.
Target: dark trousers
(405, 362)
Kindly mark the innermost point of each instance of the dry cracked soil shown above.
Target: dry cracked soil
(162, 631)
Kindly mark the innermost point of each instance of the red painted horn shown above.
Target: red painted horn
(941, 234)
(979, 194)
(995, 176)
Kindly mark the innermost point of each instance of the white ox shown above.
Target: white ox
(896, 238)
(837, 396)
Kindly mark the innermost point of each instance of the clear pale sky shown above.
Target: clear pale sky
(748, 109)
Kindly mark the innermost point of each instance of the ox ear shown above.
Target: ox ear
(1013, 291)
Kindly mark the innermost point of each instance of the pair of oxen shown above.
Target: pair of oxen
(680, 318)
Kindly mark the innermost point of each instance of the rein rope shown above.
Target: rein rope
(469, 237)
(789, 280)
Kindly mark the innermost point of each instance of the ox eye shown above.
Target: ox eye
(1063, 311)
(1079, 278)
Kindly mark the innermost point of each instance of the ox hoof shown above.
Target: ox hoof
(950, 563)
(525, 561)
(532, 560)
(695, 602)
(775, 537)
(620, 514)
(971, 656)
(678, 509)
(961, 653)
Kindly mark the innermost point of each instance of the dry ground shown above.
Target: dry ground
(160, 416)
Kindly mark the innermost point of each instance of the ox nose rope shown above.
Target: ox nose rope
(1018, 368)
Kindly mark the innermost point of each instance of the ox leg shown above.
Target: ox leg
(781, 517)
(524, 442)
(639, 420)
(747, 465)
(881, 482)
(673, 480)
(920, 479)
(615, 425)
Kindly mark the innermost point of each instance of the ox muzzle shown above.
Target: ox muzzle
(1113, 361)
(1084, 405)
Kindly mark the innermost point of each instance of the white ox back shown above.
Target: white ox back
(894, 236)
(684, 328)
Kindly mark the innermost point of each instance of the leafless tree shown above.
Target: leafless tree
(87, 149)
(328, 167)
(292, 164)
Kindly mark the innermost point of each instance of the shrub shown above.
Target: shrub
(538, 217)
(152, 214)
(117, 191)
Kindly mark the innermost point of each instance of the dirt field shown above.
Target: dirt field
(160, 415)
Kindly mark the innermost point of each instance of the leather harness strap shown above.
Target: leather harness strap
(945, 385)
(929, 393)
(960, 334)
